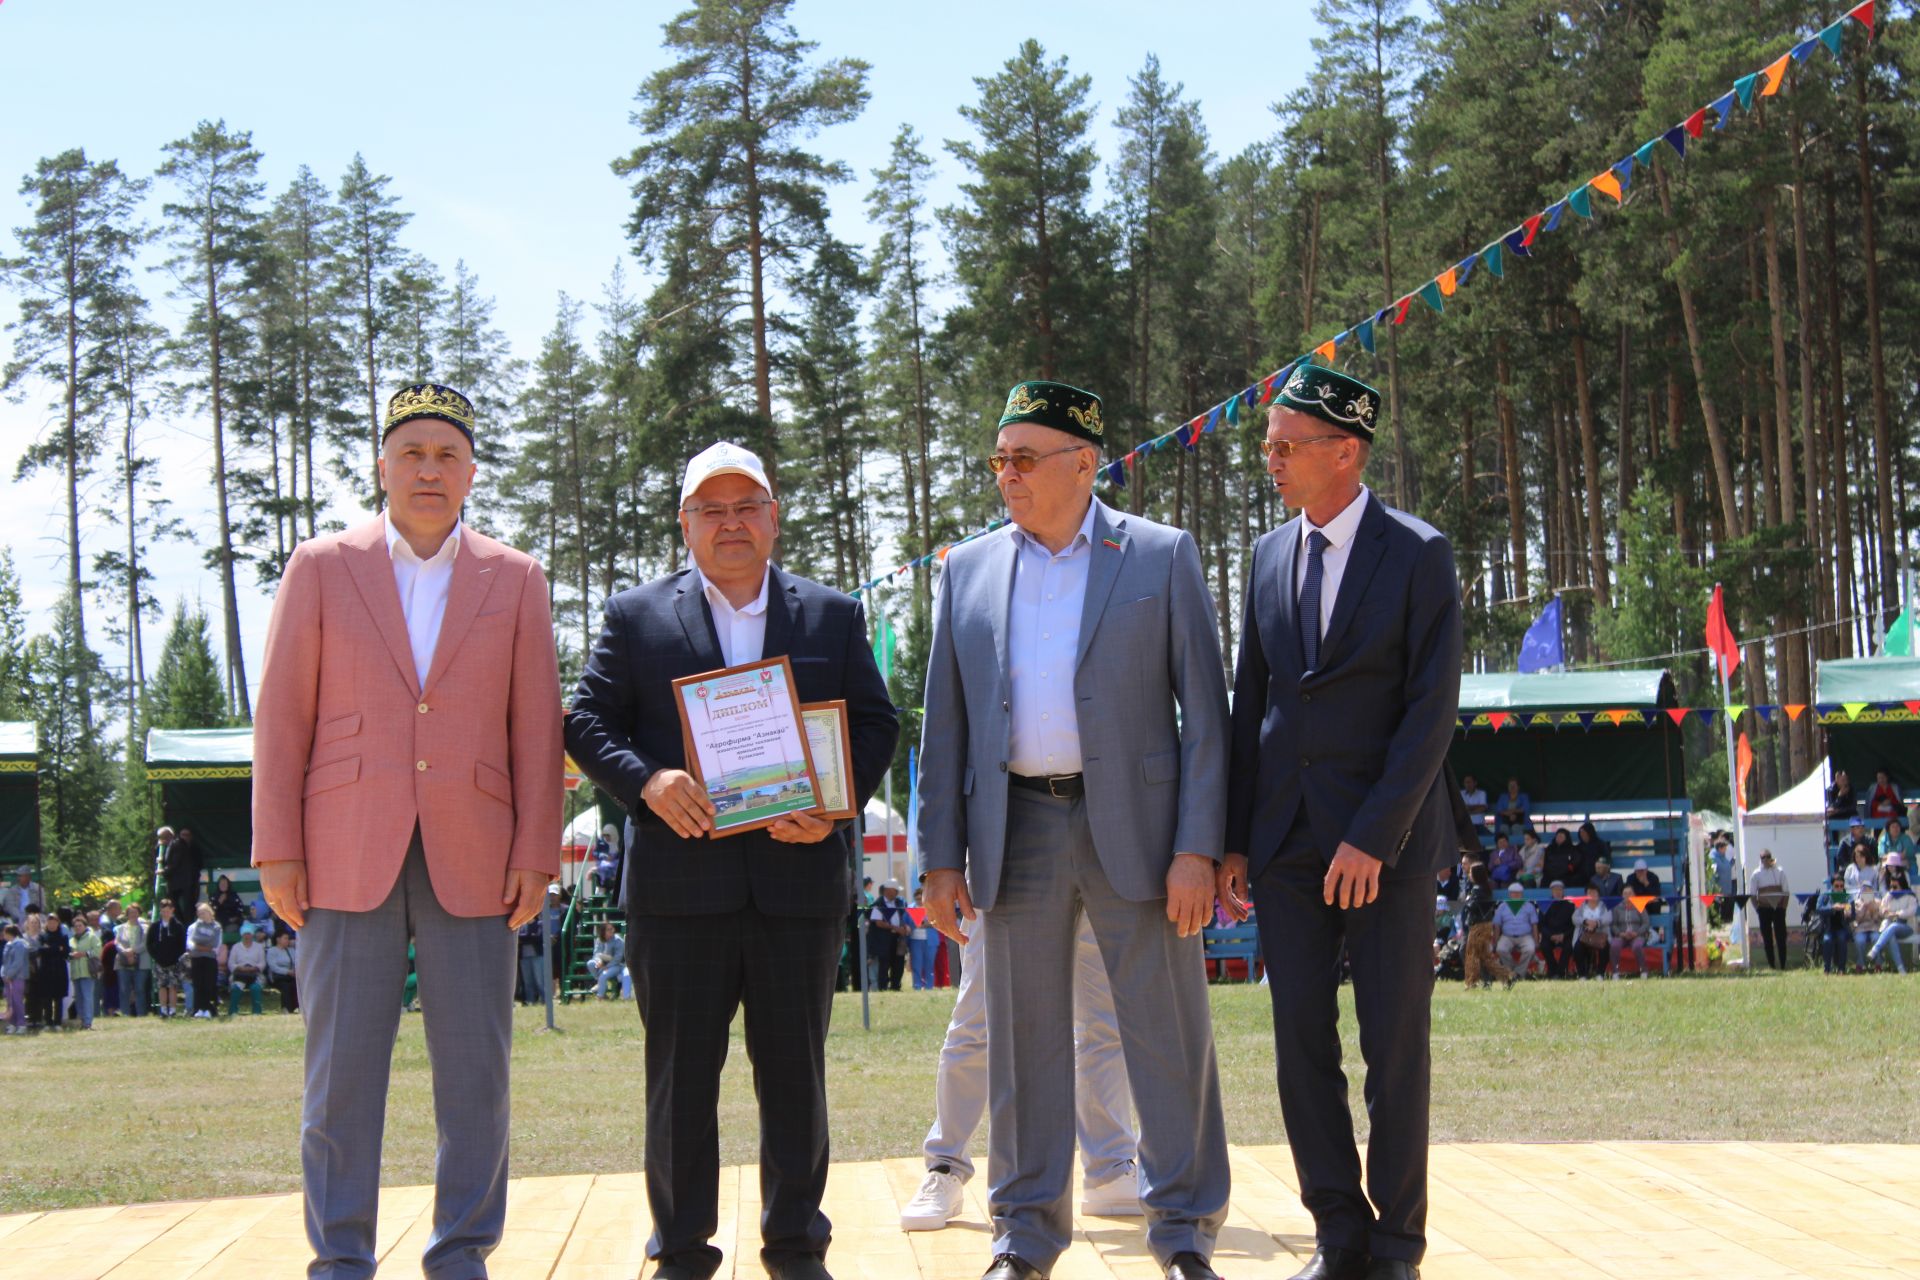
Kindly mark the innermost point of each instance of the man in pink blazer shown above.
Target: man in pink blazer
(407, 786)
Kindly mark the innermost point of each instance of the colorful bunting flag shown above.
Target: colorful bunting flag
(1580, 200)
(1449, 281)
(1430, 294)
(1707, 714)
(1696, 124)
(1793, 710)
(1863, 14)
(1743, 89)
(1325, 351)
(1724, 106)
(1491, 256)
(1532, 226)
(1498, 719)
(1677, 139)
(1679, 715)
(1465, 267)
(1912, 705)
(1552, 215)
(1586, 719)
(1645, 154)
(1233, 416)
(1832, 36)
(1854, 709)
(1726, 650)
(1623, 172)
(1516, 240)
(1776, 72)
(1804, 50)
(1117, 475)
(1364, 332)
(1766, 713)
(1735, 708)
(1743, 765)
(1607, 185)
(1400, 309)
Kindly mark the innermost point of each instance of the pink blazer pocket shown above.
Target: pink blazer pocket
(337, 773)
(338, 727)
(493, 782)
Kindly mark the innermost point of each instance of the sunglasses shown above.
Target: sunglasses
(1287, 448)
(1024, 463)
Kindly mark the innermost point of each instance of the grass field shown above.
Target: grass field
(144, 1110)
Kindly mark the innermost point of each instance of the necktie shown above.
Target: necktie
(1309, 610)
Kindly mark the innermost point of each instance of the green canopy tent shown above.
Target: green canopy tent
(19, 793)
(1863, 705)
(1577, 736)
(205, 781)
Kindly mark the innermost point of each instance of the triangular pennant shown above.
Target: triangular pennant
(1607, 185)
(1131, 458)
(1743, 89)
(1364, 332)
(1708, 899)
(1913, 706)
(1251, 396)
(1550, 216)
(1863, 14)
(1707, 714)
(1804, 50)
(1465, 267)
(1696, 124)
(1430, 294)
(1793, 710)
(1325, 351)
(1832, 36)
(1491, 256)
(1532, 228)
(1735, 708)
(1449, 281)
(1498, 719)
(1678, 715)
(1645, 154)
(1615, 717)
(1739, 899)
(1825, 709)
(1580, 200)
(1623, 172)
(1775, 73)
(1400, 309)
(1516, 240)
(1585, 718)
(1723, 105)
(1766, 713)
(1640, 900)
(1117, 475)
(1677, 139)
(1854, 709)
(1233, 415)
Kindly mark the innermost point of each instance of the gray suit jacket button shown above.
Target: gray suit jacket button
(1003, 766)
(1305, 763)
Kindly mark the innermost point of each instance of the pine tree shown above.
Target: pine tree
(368, 254)
(722, 129)
(185, 691)
(822, 512)
(214, 224)
(303, 229)
(77, 773)
(476, 359)
(14, 703)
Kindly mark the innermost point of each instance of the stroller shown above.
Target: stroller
(1452, 961)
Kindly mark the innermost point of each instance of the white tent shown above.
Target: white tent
(1794, 825)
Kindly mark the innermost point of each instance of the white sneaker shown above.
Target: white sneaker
(937, 1203)
(1118, 1198)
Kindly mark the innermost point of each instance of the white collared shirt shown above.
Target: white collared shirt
(742, 632)
(1043, 645)
(423, 588)
(1339, 533)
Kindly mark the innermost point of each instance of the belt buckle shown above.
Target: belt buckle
(1053, 790)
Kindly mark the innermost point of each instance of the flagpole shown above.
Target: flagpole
(1739, 823)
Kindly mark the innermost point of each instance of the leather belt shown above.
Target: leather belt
(1061, 786)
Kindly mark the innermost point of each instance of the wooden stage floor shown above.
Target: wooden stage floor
(1572, 1211)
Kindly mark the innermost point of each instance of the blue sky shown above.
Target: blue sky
(497, 123)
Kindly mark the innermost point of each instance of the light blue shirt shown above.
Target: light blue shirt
(1515, 924)
(1043, 645)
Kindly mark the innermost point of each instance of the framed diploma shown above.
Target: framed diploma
(747, 745)
(832, 753)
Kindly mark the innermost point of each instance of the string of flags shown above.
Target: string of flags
(1904, 712)
(1613, 182)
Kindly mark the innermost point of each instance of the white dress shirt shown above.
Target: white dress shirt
(743, 631)
(1339, 533)
(423, 588)
(1043, 644)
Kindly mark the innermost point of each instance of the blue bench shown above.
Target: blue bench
(1227, 943)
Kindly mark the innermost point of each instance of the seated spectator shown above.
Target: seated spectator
(608, 959)
(1517, 923)
(1476, 914)
(1473, 795)
(606, 860)
(1836, 926)
(1592, 937)
(167, 945)
(203, 960)
(1841, 802)
(1533, 857)
(1894, 839)
(1605, 881)
(1864, 872)
(1896, 919)
(229, 909)
(281, 976)
(1888, 865)
(1561, 859)
(1864, 918)
(1504, 866)
(246, 970)
(1643, 883)
(1589, 851)
(1884, 800)
(1510, 813)
(13, 976)
(1628, 928)
(1557, 933)
(22, 896)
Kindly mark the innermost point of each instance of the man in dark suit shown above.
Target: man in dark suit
(754, 918)
(1338, 816)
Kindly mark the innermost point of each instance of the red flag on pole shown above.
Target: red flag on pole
(1743, 758)
(1726, 649)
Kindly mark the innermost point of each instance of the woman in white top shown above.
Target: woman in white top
(1897, 919)
(1592, 937)
(1864, 873)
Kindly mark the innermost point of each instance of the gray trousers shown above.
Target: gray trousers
(353, 971)
(1102, 1107)
(1052, 874)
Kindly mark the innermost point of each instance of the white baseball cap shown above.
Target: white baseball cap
(723, 459)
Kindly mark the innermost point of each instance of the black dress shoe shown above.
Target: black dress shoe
(668, 1269)
(1190, 1266)
(1011, 1266)
(1330, 1262)
(796, 1266)
(1391, 1269)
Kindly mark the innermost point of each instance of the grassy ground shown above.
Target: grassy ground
(145, 1110)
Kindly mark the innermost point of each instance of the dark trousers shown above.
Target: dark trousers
(1593, 961)
(288, 987)
(1559, 957)
(1773, 934)
(1390, 947)
(205, 972)
(690, 973)
(1833, 949)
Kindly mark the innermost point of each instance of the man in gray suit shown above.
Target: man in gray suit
(1074, 760)
(1343, 705)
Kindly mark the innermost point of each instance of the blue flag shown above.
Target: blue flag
(1542, 650)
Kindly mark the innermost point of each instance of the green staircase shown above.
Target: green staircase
(579, 930)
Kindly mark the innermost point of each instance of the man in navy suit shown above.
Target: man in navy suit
(1344, 702)
(751, 919)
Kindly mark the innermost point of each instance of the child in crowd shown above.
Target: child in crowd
(13, 973)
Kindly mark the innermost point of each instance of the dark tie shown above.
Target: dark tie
(1310, 601)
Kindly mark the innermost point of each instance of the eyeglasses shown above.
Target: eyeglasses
(1025, 462)
(719, 512)
(1287, 448)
